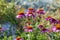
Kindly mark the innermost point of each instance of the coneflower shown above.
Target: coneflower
(19, 38)
(20, 15)
(31, 9)
(40, 11)
(56, 28)
(28, 14)
(40, 26)
(28, 29)
(44, 30)
(52, 20)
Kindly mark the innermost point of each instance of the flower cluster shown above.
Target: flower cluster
(34, 15)
(31, 12)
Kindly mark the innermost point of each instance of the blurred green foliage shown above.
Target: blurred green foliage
(7, 12)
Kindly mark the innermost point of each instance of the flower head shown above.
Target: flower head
(44, 30)
(40, 11)
(28, 14)
(19, 38)
(49, 18)
(28, 29)
(40, 26)
(56, 28)
(59, 21)
(20, 15)
(31, 10)
(52, 20)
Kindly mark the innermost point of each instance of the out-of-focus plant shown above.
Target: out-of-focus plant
(7, 11)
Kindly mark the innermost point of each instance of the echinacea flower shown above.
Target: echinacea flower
(59, 21)
(28, 29)
(31, 9)
(56, 28)
(40, 26)
(44, 30)
(20, 15)
(48, 18)
(19, 38)
(52, 20)
(28, 14)
(40, 11)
